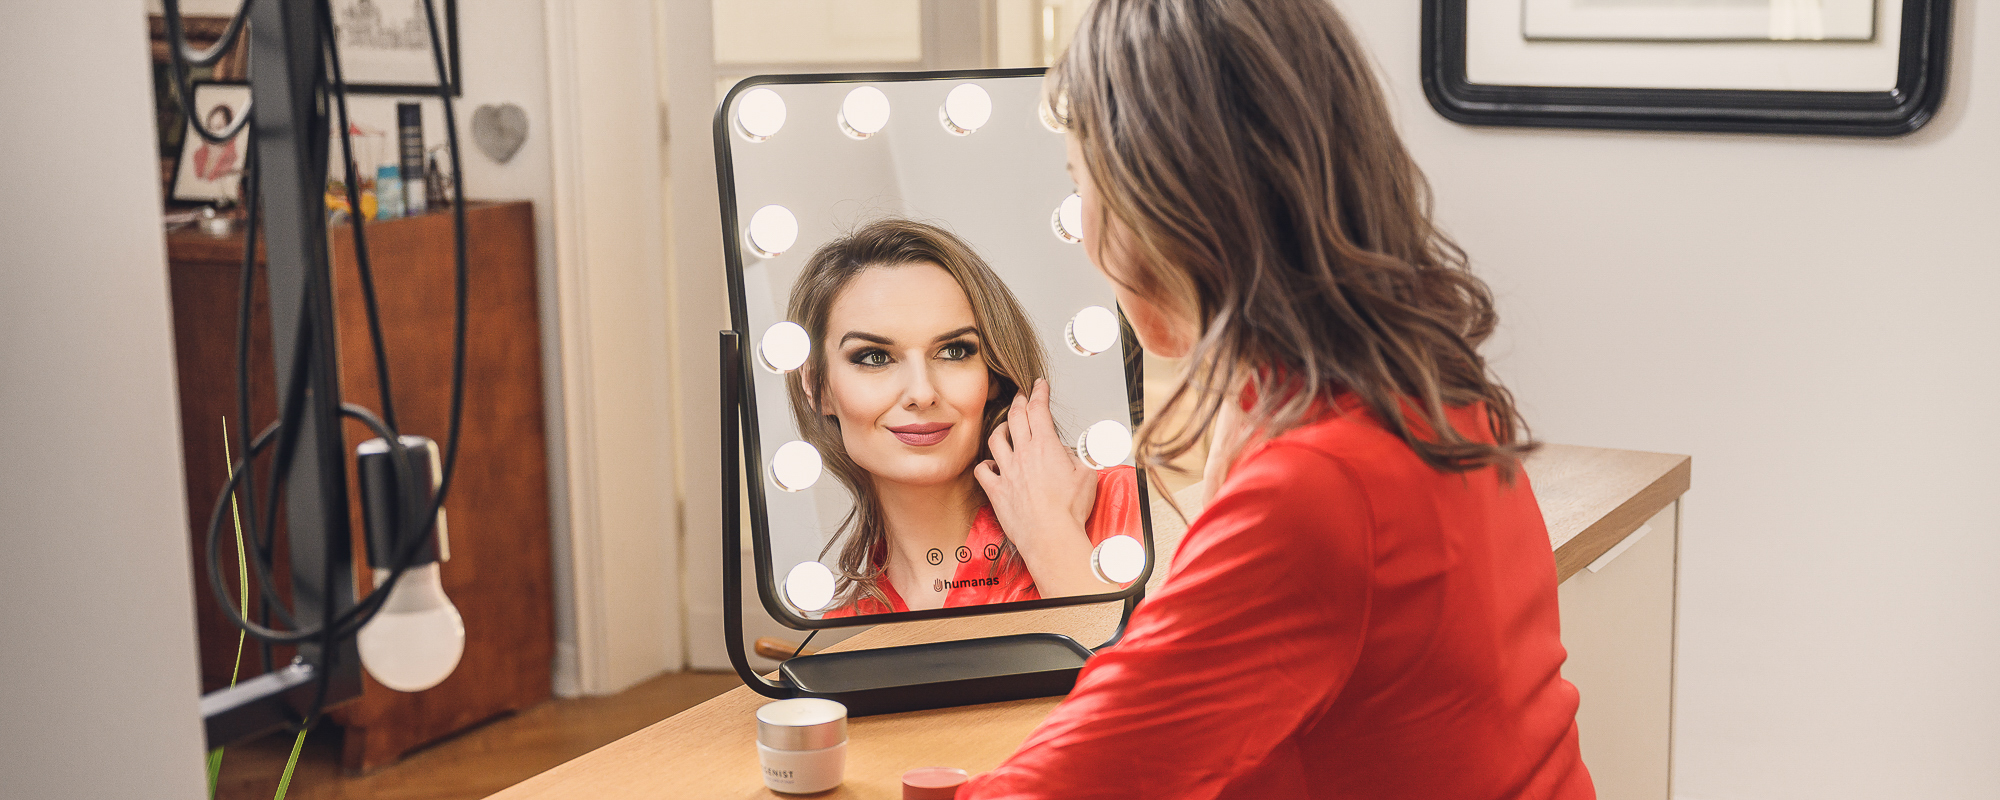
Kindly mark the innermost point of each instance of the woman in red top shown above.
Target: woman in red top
(920, 361)
(1366, 608)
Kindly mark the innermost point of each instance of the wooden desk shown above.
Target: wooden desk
(1591, 498)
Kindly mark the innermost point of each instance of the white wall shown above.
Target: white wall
(98, 682)
(1813, 320)
(616, 318)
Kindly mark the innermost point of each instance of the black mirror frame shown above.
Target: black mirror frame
(1920, 85)
(739, 389)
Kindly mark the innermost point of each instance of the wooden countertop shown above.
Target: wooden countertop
(1591, 499)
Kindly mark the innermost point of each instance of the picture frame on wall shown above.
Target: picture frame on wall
(206, 172)
(1824, 67)
(1701, 20)
(385, 46)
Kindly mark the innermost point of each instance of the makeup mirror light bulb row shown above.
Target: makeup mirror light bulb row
(760, 112)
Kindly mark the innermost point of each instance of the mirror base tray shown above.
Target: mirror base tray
(940, 674)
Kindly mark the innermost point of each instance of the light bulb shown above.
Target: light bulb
(795, 466)
(759, 114)
(965, 109)
(1105, 444)
(809, 586)
(864, 112)
(1118, 559)
(1068, 219)
(1092, 331)
(416, 638)
(1052, 111)
(772, 231)
(784, 347)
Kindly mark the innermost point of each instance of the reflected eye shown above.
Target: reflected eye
(870, 358)
(958, 351)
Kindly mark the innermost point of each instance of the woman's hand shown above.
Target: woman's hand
(1042, 494)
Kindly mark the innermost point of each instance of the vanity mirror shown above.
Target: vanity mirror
(936, 396)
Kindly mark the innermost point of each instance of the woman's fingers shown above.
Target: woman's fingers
(1017, 419)
(986, 472)
(1003, 451)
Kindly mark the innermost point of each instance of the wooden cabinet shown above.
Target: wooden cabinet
(1618, 624)
(499, 573)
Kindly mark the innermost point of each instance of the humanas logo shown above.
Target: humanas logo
(940, 584)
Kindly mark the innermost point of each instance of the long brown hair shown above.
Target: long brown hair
(1247, 148)
(1007, 342)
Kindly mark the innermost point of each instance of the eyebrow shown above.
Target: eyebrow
(884, 340)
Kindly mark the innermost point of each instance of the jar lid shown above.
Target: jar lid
(932, 783)
(802, 723)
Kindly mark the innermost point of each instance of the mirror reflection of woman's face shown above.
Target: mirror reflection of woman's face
(905, 374)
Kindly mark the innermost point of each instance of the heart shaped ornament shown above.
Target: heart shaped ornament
(499, 130)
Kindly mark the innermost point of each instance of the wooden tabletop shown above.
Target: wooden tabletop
(1591, 499)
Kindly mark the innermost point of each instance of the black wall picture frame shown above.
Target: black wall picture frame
(403, 64)
(1922, 59)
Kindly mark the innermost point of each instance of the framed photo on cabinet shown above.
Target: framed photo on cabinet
(1830, 67)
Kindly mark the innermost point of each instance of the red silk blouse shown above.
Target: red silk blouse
(978, 581)
(1342, 621)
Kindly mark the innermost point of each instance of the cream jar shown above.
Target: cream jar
(802, 744)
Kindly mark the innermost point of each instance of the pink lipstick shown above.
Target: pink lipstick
(923, 435)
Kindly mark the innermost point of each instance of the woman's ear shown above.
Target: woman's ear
(806, 385)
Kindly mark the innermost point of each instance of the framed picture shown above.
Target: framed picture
(1829, 67)
(207, 172)
(1700, 20)
(385, 46)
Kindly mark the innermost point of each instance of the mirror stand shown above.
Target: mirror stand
(888, 679)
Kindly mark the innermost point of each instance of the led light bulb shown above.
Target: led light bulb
(1052, 112)
(415, 640)
(772, 231)
(795, 467)
(1068, 219)
(1105, 444)
(809, 586)
(1092, 331)
(759, 114)
(864, 112)
(784, 347)
(965, 109)
(1118, 559)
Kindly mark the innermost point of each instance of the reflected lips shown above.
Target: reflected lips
(921, 435)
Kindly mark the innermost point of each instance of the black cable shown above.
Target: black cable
(181, 56)
(351, 619)
(333, 627)
(802, 645)
(354, 215)
(459, 290)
